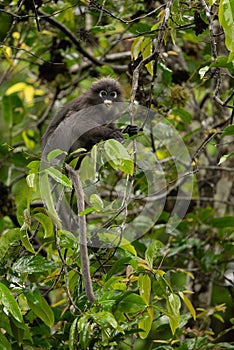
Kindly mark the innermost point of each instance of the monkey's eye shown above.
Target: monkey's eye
(103, 93)
(113, 94)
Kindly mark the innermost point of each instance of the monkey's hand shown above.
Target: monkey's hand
(117, 135)
(131, 130)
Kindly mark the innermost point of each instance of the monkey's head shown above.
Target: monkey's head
(105, 90)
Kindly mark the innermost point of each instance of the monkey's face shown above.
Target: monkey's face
(108, 96)
(106, 91)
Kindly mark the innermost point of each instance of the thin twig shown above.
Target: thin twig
(95, 5)
(70, 35)
(154, 56)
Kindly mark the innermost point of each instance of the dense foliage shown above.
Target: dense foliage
(158, 208)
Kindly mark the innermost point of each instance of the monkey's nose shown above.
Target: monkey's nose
(107, 103)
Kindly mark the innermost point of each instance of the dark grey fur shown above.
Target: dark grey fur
(84, 121)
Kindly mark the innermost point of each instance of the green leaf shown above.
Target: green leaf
(31, 181)
(86, 211)
(39, 306)
(87, 170)
(46, 222)
(228, 131)
(4, 343)
(131, 303)
(25, 240)
(161, 287)
(127, 246)
(84, 326)
(9, 302)
(144, 284)
(58, 177)
(47, 197)
(183, 114)
(118, 156)
(11, 105)
(28, 137)
(226, 221)
(102, 29)
(226, 19)
(33, 264)
(188, 304)
(104, 317)
(8, 240)
(136, 47)
(222, 61)
(173, 307)
(152, 252)
(73, 335)
(225, 157)
(67, 239)
(146, 50)
(202, 71)
(139, 27)
(54, 154)
(118, 267)
(166, 73)
(146, 323)
(96, 202)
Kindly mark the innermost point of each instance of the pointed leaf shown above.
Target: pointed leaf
(118, 156)
(39, 306)
(188, 304)
(144, 284)
(33, 264)
(9, 302)
(59, 177)
(25, 240)
(46, 223)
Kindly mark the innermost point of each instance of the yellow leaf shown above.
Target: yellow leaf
(146, 323)
(188, 304)
(28, 138)
(39, 92)
(28, 94)
(7, 53)
(16, 35)
(15, 88)
(136, 47)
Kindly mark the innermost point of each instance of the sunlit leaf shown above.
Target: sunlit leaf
(9, 302)
(58, 176)
(146, 323)
(152, 252)
(25, 240)
(33, 264)
(144, 284)
(226, 19)
(118, 156)
(173, 306)
(188, 304)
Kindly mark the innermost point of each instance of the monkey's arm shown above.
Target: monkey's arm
(94, 136)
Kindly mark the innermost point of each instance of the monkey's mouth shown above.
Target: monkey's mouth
(107, 103)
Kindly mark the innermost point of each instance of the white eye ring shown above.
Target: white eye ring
(103, 93)
(113, 94)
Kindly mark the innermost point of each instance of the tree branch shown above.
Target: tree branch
(154, 56)
(70, 35)
(74, 176)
